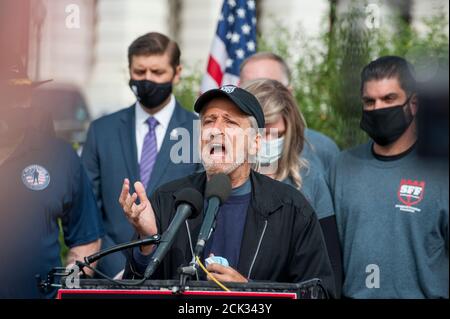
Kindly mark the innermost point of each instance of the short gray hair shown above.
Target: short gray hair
(270, 56)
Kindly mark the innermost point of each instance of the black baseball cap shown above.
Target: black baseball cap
(243, 99)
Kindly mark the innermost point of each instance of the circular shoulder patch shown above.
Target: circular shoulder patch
(36, 177)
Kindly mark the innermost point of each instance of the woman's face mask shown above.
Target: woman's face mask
(271, 150)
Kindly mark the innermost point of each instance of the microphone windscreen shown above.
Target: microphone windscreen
(192, 197)
(218, 186)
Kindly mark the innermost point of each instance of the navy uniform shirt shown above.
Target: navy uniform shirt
(41, 182)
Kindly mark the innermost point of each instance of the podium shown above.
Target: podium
(169, 289)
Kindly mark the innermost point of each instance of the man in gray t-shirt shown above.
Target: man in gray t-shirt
(391, 205)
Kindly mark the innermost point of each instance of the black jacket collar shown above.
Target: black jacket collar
(261, 187)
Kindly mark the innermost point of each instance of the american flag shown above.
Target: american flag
(235, 40)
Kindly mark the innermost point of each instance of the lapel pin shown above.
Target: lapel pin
(174, 133)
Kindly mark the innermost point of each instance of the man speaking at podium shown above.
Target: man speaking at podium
(265, 230)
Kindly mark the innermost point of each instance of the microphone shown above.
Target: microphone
(189, 204)
(141, 242)
(218, 190)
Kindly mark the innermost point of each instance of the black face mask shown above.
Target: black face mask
(150, 94)
(385, 126)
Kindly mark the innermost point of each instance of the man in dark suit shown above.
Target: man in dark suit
(136, 142)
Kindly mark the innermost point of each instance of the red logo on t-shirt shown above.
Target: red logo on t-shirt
(411, 192)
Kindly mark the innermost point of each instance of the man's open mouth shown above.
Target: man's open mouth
(217, 150)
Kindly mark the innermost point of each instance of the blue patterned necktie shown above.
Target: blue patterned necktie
(149, 152)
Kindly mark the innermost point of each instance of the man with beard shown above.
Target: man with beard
(42, 182)
(265, 230)
(136, 142)
(391, 204)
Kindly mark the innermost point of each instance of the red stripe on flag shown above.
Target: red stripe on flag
(214, 70)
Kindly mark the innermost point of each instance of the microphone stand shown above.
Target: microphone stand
(186, 273)
(50, 282)
(153, 240)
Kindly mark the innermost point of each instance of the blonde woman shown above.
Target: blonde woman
(280, 158)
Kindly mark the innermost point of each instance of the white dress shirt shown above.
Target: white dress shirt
(163, 117)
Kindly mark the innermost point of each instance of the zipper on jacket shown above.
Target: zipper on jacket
(257, 249)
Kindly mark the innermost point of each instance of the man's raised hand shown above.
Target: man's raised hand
(141, 216)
